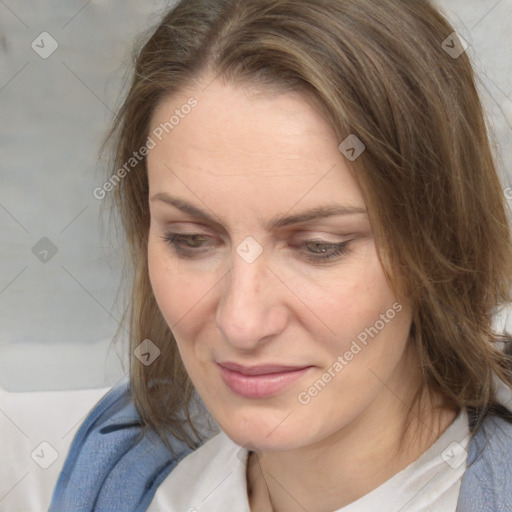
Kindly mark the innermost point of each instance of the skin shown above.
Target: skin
(246, 159)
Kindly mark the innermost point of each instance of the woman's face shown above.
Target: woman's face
(263, 263)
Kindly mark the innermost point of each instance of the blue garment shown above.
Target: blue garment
(114, 465)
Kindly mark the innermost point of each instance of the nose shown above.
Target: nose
(251, 309)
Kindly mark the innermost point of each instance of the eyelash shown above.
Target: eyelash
(336, 249)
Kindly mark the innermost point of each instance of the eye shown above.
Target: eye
(320, 250)
(194, 245)
(188, 245)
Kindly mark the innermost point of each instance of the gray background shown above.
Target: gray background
(57, 317)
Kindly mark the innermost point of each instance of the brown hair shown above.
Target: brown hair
(376, 69)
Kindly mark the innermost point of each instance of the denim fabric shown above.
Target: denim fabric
(487, 482)
(113, 465)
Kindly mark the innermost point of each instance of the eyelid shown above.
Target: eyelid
(306, 226)
(189, 228)
(327, 235)
(334, 251)
(300, 237)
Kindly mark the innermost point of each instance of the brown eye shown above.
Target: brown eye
(187, 245)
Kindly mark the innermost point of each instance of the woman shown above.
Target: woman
(320, 241)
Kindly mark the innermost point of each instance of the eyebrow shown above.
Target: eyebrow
(320, 212)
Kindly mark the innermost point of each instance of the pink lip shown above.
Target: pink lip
(259, 381)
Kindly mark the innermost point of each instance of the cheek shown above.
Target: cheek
(349, 300)
(181, 295)
(168, 283)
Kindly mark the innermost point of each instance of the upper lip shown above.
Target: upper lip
(261, 369)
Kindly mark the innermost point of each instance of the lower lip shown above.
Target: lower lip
(260, 386)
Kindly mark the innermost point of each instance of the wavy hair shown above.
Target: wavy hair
(377, 69)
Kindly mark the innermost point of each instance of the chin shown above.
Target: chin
(258, 442)
(262, 432)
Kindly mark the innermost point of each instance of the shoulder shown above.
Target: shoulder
(491, 448)
(487, 482)
(210, 478)
(114, 462)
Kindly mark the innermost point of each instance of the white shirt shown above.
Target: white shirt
(213, 479)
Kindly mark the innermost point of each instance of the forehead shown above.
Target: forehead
(247, 123)
(247, 141)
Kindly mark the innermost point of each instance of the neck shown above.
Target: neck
(350, 463)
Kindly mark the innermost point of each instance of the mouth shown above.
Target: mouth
(259, 381)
